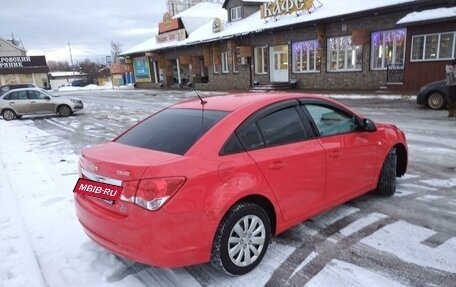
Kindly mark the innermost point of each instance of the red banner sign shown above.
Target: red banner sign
(97, 189)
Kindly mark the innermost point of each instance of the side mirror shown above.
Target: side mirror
(369, 125)
(47, 98)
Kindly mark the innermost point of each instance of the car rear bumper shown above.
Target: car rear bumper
(156, 238)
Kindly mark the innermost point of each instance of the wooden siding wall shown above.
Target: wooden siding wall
(418, 74)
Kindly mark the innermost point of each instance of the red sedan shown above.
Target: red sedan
(211, 180)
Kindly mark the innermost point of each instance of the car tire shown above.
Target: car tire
(253, 240)
(435, 101)
(387, 181)
(64, 111)
(8, 114)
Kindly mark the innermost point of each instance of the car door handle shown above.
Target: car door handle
(278, 164)
(334, 154)
(33, 102)
(11, 103)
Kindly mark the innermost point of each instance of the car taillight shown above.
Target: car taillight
(129, 190)
(151, 193)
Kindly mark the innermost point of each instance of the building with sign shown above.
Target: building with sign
(311, 44)
(154, 67)
(17, 67)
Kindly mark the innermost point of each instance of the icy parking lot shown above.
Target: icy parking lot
(405, 240)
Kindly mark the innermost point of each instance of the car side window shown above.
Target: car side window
(19, 95)
(34, 95)
(281, 123)
(331, 121)
(250, 137)
(279, 127)
(282, 127)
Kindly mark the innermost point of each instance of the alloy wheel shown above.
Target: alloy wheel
(8, 115)
(246, 240)
(436, 101)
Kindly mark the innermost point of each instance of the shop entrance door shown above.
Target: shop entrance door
(279, 63)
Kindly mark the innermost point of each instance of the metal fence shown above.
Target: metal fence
(395, 73)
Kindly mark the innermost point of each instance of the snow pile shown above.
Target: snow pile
(107, 86)
(41, 237)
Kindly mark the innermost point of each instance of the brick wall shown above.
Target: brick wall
(365, 79)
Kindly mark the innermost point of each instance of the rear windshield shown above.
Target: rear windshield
(172, 130)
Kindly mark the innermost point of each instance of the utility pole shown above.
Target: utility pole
(71, 58)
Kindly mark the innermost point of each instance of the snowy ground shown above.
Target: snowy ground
(406, 240)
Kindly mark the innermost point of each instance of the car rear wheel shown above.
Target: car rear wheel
(387, 181)
(241, 239)
(435, 101)
(8, 114)
(64, 111)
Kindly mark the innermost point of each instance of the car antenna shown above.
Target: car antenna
(203, 102)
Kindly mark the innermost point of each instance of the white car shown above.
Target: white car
(28, 101)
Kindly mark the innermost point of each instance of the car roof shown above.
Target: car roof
(231, 102)
(22, 89)
(19, 85)
(27, 88)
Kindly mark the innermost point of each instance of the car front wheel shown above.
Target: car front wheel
(64, 110)
(387, 181)
(435, 101)
(241, 239)
(8, 114)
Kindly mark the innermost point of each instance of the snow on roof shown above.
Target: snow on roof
(192, 18)
(204, 10)
(254, 23)
(141, 48)
(256, 1)
(426, 15)
(65, 74)
(200, 14)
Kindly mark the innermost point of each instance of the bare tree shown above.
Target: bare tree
(92, 70)
(116, 49)
(59, 66)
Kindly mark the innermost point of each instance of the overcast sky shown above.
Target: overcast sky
(46, 27)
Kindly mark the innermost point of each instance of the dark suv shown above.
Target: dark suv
(80, 83)
(6, 88)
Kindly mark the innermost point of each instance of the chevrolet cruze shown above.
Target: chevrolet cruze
(211, 180)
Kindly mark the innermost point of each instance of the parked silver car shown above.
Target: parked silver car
(27, 101)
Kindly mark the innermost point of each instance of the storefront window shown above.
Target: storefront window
(433, 47)
(235, 62)
(446, 45)
(225, 67)
(141, 69)
(214, 62)
(343, 55)
(388, 47)
(260, 60)
(305, 56)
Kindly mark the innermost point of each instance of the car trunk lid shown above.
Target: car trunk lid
(118, 164)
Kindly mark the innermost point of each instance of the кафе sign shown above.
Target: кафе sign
(279, 7)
